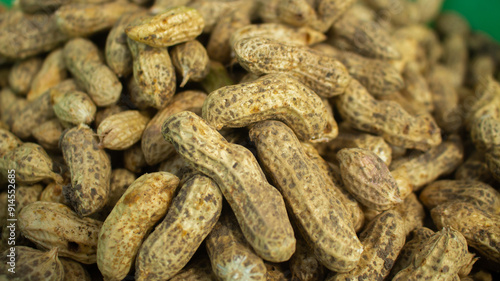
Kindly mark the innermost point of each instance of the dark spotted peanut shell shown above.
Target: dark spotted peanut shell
(22, 74)
(426, 167)
(382, 239)
(304, 265)
(154, 146)
(32, 264)
(168, 28)
(480, 228)
(274, 96)
(493, 161)
(84, 19)
(32, 115)
(478, 193)
(8, 141)
(30, 162)
(325, 75)
(74, 270)
(323, 220)
(120, 181)
(445, 99)
(191, 61)
(51, 225)
(10, 103)
(154, 74)
(485, 132)
(368, 179)
(258, 206)
(387, 119)
(328, 12)
(193, 214)
(143, 204)
(441, 257)
(90, 169)
(230, 254)
(474, 168)
(412, 212)
(87, 67)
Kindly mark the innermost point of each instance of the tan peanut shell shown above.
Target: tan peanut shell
(412, 212)
(304, 265)
(191, 61)
(480, 228)
(84, 63)
(52, 72)
(90, 169)
(378, 76)
(230, 254)
(8, 141)
(196, 271)
(75, 107)
(213, 11)
(303, 36)
(154, 146)
(154, 74)
(168, 28)
(24, 35)
(325, 75)
(328, 12)
(118, 56)
(442, 256)
(456, 57)
(385, 233)
(103, 113)
(323, 220)
(493, 160)
(33, 6)
(424, 168)
(485, 132)
(51, 225)
(143, 204)
(485, 101)
(411, 247)
(9, 103)
(368, 179)
(258, 206)
(416, 88)
(134, 159)
(193, 214)
(33, 264)
(474, 168)
(445, 98)
(53, 192)
(31, 164)
(273, 96)
(449, 22)
(216, 78)
(22, 74)
(49, 133)
(295, 12)
(120, 181)
(84, 19)
(477, 193)
(120, 131)
(32, 115)
(74, 270)
(387, 119)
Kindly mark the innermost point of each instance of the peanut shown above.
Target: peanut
(216, 78)
(168, 28)
(74, 107)
(134, 159)
(32, 115)
(8, 141)
(322, 219)
(143, 204)
(325, 75)
(49, 133)
(191, 61)
(412, 212)
(198, 271)
(213, 11)
(193, 214)
(274, 96)
(52, 72)
(120, 131)
(304, 266)
(258, 206)
(74, 270)
(32, 264)
(51, 225)
(120, 181)
(22, 74)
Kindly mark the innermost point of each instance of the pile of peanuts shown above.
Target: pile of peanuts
(272, 140)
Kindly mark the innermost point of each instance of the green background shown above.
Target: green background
(483, 14)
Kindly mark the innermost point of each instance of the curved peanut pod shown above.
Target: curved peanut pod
(485, 132)
(441, 257)
(193, 214)
(325, 75)
(412, 212)
(191, 61)
(388, 119)
(49, 133)
(302, 36)
(480, 228)
(51, 225)
(143, 204)
(368, 179)
(30, 163)
(170, 27)
(83, 61)
(154, 146)
(385, 233)
(84, 19)
(416, 88)
(75, 107)
(52, 72)
(274, 96)
(32, 115)
(426, 167)
(121, 130)
(8, 141)
(322, 219)
(445, 99)
(90, 169)
(22, 74)
(32, 264)
(230, 254)
(154, 73)
(258, 206)
(477, 193)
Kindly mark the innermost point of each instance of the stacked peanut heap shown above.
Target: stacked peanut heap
(247, 140)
